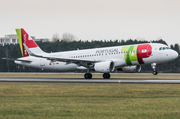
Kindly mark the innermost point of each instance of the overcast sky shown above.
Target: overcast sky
(93, 19)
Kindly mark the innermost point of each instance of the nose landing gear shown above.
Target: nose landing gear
(154, 68)
(155, 72)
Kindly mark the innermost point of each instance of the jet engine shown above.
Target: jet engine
(104, 67)
(131, 69)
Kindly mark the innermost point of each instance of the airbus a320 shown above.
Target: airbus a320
(128, 58)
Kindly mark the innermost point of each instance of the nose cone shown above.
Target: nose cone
(174, 54)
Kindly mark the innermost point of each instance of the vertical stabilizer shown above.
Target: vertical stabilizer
(24, 38)
(21, 41)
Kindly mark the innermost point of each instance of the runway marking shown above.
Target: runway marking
(78, 80)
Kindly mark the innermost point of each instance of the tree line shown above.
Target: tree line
(13, 51)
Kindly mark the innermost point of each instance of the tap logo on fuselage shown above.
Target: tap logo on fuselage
(136, 53)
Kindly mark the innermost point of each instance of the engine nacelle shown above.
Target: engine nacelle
(131, 69)
(104, 67)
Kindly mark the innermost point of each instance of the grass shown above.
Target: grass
(64, 100)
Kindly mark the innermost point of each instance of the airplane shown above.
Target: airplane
(127, 58)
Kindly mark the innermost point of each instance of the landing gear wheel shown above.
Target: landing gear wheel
(106, 75)
(154, 68)
(155, 72)
(87, 75)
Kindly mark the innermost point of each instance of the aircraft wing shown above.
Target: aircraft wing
(67, 60)
(70, 59)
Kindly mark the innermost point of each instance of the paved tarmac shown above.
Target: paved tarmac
(81, 80)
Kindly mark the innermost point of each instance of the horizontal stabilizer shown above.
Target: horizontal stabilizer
(23, 60)
(17, 59)
(10, 59)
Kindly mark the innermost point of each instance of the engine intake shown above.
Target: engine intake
(104, 67)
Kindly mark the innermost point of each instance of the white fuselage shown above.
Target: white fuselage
(117, 54)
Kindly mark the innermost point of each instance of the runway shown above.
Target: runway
(81, 80)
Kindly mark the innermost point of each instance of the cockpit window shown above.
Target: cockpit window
(164, 48)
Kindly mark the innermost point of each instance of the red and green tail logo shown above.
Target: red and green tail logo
(24, 38)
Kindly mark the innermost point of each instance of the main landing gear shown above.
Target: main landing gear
(106, 75)
(89, 75)
(154, 68)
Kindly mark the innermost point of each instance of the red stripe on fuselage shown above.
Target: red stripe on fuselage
(141, 53)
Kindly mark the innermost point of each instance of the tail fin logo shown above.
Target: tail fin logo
(24, 38)
(28, 40)
(25, 51)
